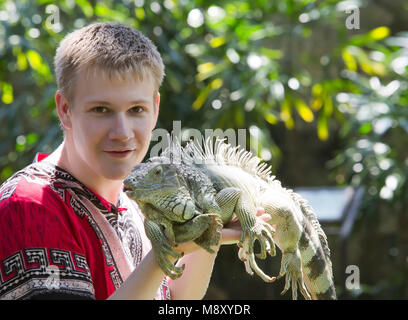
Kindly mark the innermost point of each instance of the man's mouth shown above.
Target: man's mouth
(120, 153)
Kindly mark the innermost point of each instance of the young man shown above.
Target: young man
(67, 230)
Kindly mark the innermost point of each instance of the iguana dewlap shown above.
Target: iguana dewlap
(189, 191)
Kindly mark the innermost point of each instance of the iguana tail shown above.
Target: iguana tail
(315, 253)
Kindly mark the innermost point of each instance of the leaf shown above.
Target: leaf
(322, 127)
(85, 7)
(34, 59)
(140, 13)
(366, 128)
(208, 69)
(271, 118)
(271, 53)
(328, 106)
(21, 61)
(6, 173)
(32, 138)
(379, 33)
(217, 42)
(304, 111)
(7, 96)
(349, 60)
(205, 67)
(286, 114)
(317, 103)
(317, 89)
(202, 97)
(216, 83)
(36, 63)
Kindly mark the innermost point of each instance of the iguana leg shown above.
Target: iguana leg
(212, 235)
(286, 215)
(153, 214)
(162, 249)
(232, 200)
(204, 229)
(227, 200)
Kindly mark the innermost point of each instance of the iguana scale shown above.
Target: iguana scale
(190, 190)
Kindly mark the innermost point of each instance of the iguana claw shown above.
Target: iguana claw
(259, 231)
(163, 249)
(291, 266)
(168, 268)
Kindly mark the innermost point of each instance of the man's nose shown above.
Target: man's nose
(121, 128)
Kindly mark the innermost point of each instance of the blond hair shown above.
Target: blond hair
(112, 48)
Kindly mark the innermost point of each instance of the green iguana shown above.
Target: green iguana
(189, 191)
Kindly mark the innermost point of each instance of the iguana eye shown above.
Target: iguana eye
(158, 171)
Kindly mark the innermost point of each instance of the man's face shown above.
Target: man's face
(111, 123)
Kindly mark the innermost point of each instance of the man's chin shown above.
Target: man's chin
(118, 174)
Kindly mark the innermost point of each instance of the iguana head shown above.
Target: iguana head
(158, 184)
(146, 180)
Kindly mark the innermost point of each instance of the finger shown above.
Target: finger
(304, 291)
(262, 254)
(251, 242)
(241, 254)
(168, 268)
(271, 228)
(260, 211)
(230, 236)
(258, 271)
(287, 284)
(243, 236)
(265, 217)
(271, 247)
(294, 289)
(282, 271)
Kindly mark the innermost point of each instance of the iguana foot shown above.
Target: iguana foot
(162, 248)
(211, 236)
(291, 265)
(204, 229)
(250, 263)
(263, 232)
(163, 261)
(259, 231)
(192, 229)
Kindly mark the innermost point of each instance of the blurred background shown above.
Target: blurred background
(320, 85)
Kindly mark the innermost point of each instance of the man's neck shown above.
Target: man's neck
(107, 189)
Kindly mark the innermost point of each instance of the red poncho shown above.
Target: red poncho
(59, 239)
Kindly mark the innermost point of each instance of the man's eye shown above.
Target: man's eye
(137, 109)
(100, 109)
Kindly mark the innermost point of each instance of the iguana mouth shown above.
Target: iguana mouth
(126, 188)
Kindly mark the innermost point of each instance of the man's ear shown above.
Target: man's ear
(156, 111)
(63, 110)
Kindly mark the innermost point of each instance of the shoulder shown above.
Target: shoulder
(28, 183)
(36, 235)
(27, 191)
(32, 213)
